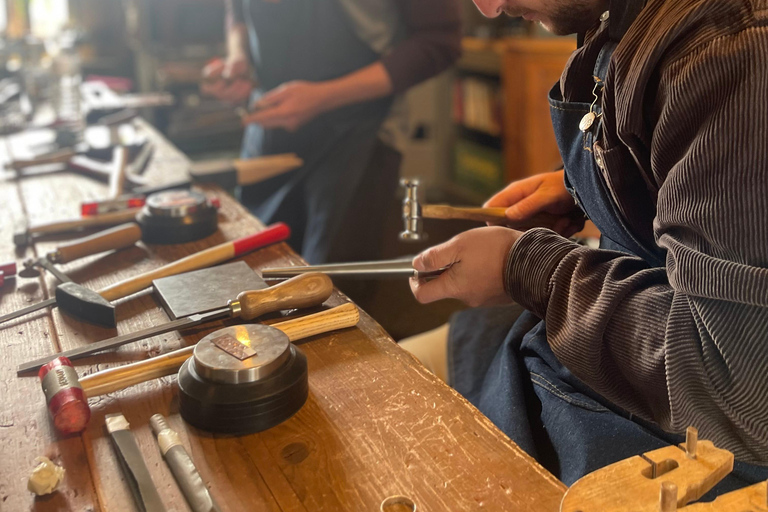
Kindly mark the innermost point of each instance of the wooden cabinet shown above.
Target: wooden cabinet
(530, 67)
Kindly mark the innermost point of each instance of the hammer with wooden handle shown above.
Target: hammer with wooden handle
(67, 395)
(414, 212)
(26, 236)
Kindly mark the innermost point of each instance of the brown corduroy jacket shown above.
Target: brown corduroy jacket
(685, 147)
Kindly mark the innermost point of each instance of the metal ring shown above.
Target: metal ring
(397, 500)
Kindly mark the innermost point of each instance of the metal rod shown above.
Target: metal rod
(367, 269)
(155, 330)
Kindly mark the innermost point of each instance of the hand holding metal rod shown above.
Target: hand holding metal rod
(388, 269)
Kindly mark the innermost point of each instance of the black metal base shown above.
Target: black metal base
(244, 408)
(170, 230)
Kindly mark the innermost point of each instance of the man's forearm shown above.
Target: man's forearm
(368, 83)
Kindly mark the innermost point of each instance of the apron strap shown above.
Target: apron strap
(623, 14)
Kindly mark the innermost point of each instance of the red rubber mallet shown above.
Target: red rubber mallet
(65, 397)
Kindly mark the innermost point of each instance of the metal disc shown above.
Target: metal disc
(224, 365)
(587, 121)
(175, 203)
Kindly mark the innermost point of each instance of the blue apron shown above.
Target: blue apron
(315, 41)
(509, 372)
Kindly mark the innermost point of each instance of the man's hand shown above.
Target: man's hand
(541, 193)
(476, 276)
(228, 80)
(290, 105)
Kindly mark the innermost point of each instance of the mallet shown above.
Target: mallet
(66, 395)
(414, 213)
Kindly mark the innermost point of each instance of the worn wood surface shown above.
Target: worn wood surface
(376, 423)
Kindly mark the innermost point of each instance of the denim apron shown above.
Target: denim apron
(509, 372)
(312, 40)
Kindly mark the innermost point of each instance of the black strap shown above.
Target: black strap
(623, 14)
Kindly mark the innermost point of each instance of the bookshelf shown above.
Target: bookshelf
(501, 114)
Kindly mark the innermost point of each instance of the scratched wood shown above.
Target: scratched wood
(376, 423)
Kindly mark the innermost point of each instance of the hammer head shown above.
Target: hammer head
(412, 222)
(85, 304)
(64, 396)
(22, 238)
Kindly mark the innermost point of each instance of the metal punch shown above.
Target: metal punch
(389, 269)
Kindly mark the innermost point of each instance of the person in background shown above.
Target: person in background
(321, 80)
(661, 120)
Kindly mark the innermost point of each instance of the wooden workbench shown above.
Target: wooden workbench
(376, 423)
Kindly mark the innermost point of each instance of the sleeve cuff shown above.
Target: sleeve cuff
(530, 264)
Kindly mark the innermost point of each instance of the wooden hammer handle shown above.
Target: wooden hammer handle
(203, 259)
(114, 379)
(254, 170)
(93, 221)
(340, 317)
(302, 291)
(121, 377)
(58, 157)
(440, 211)
(111, 239)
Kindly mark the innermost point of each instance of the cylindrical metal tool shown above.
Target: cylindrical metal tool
(228, 389)
(182, 467)
(177, 216)
(64, 396)
(388, 269)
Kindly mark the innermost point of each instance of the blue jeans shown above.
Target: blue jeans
(499, 359)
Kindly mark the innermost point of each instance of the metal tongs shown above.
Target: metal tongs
(389, 269)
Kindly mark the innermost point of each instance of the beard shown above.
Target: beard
(571, 17)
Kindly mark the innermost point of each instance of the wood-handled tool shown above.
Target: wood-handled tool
(26, 236)
(80, 303)
(414, 212)
(206, 258)
(303, 291)
(111, 239)
(66, 394)
(231, 173)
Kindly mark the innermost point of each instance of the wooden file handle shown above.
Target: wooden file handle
(441, 211)
(114, 379)
(259, 169)
(298, 292)
(203, 259)
(111, 239)
(93, 221)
